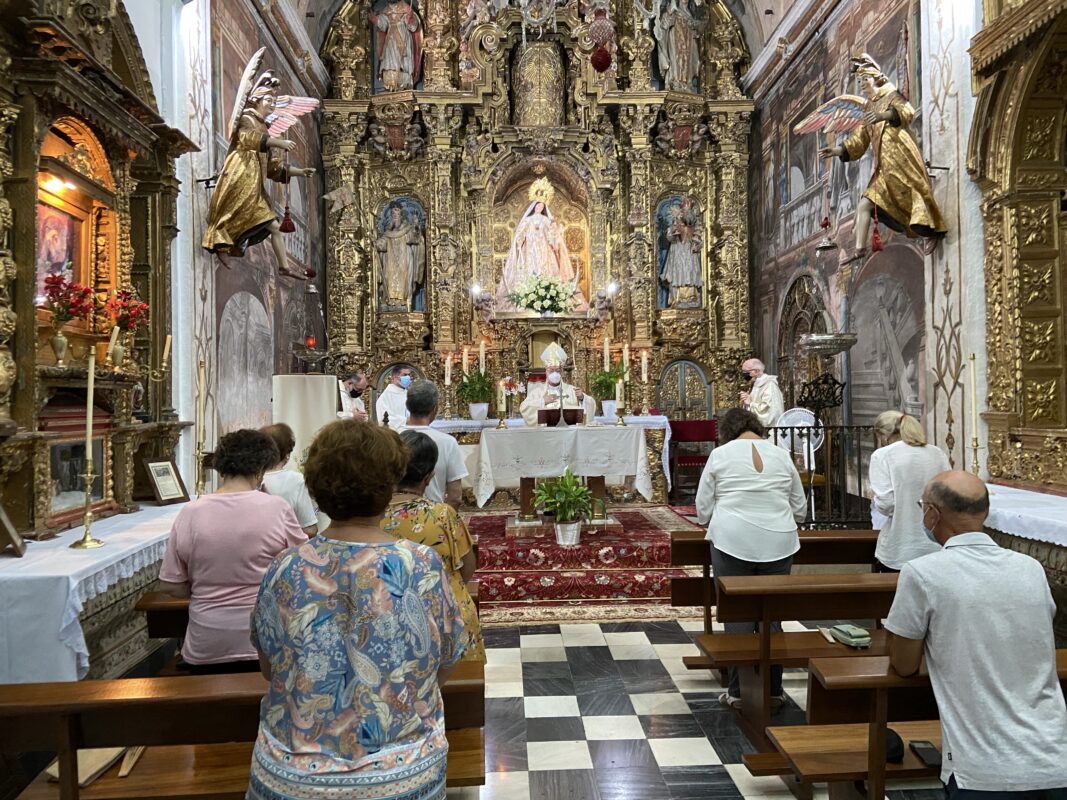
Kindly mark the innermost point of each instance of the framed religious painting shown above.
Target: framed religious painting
(62, 239)
(167, 484)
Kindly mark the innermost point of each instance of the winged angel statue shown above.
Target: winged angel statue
(240, 213)
(899, 193)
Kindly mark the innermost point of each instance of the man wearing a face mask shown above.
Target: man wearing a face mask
(394, 399)
(352, 404)
(554, 393)
(764, 398)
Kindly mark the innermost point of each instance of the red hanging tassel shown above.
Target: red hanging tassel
(287, 225)
(876, 238)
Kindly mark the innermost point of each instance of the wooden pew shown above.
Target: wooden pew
(206, 720)
(773, 598)
(842, 753)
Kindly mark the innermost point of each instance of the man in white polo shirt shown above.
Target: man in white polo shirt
(982, 616)
(446, 485)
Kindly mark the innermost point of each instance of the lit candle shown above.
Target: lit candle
(166, 351)
(201, 401)
(618, 394)
(114, 337)
(89, 412)
(448, 370)
(481, 357)
(625, 358)
(501, 399)
(974, 397)
(607, 354)
(644, 366)
(466, 360)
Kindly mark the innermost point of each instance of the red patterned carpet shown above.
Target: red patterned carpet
(623, 575)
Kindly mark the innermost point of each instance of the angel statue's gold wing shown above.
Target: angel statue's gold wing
(839, 115)
(243, 88)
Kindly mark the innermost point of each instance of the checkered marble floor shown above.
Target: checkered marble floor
(609, 712)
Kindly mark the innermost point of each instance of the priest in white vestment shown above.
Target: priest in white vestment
(554, 393)
(352, 389)
(394, 399)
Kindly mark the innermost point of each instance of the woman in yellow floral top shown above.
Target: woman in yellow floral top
(416, 518)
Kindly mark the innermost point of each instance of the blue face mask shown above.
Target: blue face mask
(929, 532)
(405, 381)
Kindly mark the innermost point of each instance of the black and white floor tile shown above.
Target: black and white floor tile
(609, 712)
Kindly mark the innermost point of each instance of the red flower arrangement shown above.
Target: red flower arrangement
(512, 387)
(128, 312)
(66, 299)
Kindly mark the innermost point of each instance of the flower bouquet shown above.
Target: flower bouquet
(128, 312)
(543, 294)
(509, 388)
(66, 300)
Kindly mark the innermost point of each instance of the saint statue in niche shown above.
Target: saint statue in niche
(400, 251)
(398, 45)
(537, 248)
(677, 32)
(681, 274)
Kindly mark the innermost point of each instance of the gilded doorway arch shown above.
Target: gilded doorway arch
(802, 312)
(684, 392)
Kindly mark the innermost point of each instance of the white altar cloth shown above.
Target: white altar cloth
(654, 422)
(1029, 514)
(42, 593)
(526, 452)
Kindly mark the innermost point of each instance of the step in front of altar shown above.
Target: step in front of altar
(545, 526)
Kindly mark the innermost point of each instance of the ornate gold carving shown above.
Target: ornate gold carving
(1035, 224)
(1041, 401)
(638, 49)
(348, 59)
(539, 84)
(1039, 137)
(1038, 283)
(1040, 342)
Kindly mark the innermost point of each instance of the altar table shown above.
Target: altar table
(1028, 514)
(43, 593)
(506, 456)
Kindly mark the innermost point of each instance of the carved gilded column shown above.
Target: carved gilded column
(8, 317)
(348, 265)
(440, 45)
(446, 281)
(638, 287)
(732, 245)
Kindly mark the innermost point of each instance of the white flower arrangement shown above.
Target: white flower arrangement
(543, 293)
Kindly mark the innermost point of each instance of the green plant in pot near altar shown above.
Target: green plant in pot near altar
(128, 314)
(476, 389)
(66, 300)
(568, 500)
(602, 385)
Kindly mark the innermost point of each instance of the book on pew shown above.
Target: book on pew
(91, 764)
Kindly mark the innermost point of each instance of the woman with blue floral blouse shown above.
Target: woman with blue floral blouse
(356, 630)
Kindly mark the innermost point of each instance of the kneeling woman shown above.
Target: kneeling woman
(356, 630)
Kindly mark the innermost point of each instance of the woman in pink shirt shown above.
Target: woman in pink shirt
(218, 550)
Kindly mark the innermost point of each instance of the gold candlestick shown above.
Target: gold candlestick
(87, 542)
(974, 414)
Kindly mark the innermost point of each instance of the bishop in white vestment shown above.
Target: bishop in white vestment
(554, 393)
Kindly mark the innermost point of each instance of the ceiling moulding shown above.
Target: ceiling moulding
(802, 22)
(1009, 30)
(293, 38)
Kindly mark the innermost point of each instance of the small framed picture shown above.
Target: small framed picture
(166, 481)
(9, 537)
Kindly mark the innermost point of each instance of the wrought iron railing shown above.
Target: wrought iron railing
(832, 461)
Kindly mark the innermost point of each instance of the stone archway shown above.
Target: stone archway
(802, 312)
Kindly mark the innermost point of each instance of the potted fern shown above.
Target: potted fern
(568, 500)
(476, 390)
(602, 385)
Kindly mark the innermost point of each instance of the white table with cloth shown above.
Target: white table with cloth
(43, 593)
(1028, 514)
(506, 456)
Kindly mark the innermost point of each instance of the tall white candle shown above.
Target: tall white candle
(618, 394)
(481, 356)
(166, 351)
(89, 389)
(625, 357)
(466, 359)
(501, 398)
(448, 370)
(607, 354)
(974, 396)
(201, 401)
(114, 337)
(644, 366)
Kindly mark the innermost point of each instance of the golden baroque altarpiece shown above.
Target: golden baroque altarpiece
(508, 96)
(87, 190)
(1017, 155)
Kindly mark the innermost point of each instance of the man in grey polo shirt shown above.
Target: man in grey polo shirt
(982, 616)
(446, 486)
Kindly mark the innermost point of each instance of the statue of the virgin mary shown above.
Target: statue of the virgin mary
(537, 248)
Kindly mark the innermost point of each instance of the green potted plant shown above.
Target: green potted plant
(602, 385)
(568, 500)
(476, 390)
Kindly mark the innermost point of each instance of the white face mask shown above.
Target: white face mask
(554, 378)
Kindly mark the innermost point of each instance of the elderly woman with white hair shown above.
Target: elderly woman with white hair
(901, 466)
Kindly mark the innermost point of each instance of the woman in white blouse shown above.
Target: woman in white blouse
(901, 466)
(751, 499)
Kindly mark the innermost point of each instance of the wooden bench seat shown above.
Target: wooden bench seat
(763, 765)
(788, 649)
(217, 771)
(838, 753)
